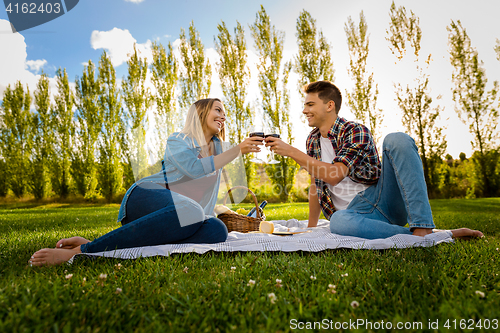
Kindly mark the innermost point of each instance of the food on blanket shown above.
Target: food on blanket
(221, 209)
(242, 211)
(266, 227)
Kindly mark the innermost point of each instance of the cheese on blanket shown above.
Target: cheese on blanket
(266, 227)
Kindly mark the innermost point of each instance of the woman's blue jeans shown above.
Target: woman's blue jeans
(152, 219)
(399, 197)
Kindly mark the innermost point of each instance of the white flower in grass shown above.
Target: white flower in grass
(251, 283)
(185, 270)
(272, 297)
(103, 276)
(233, 268)
(118, 290)
(278, 283)
(331, 289)
(118, 265)
(69, 276)
(378, 269)
(344, 275)
(84, 279)
(313, 277)
(497, 248)
(480, 293)
(354, 304)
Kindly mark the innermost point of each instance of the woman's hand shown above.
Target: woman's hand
(251, 145)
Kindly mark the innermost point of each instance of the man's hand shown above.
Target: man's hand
(279, 147)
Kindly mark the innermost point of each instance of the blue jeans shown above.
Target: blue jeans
(399, 197)
(152, 219)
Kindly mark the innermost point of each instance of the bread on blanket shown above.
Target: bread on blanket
(221, 209)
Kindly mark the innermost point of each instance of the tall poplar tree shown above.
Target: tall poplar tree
(89, 119)
(15, 138)
(42, 138)
(137, 98)
(313, 61)
(196, 75)
(273, 80)
(4, 185)
(419, 117)
(235, 76)
(363, 98)
(63, 134)
(165, 75)
(475, 106)
(110, 173)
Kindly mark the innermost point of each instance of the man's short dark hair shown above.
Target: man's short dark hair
(327, 91)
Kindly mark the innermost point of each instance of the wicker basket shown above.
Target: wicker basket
(241, 223)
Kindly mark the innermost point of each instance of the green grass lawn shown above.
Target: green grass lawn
(411, 286)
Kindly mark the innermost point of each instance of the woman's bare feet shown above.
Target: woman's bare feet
(71, 243)
(52, 257)
(466, 233)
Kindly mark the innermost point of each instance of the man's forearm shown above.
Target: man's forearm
(314, 207)
(327, 172)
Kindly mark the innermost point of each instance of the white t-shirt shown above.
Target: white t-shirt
(346, 190)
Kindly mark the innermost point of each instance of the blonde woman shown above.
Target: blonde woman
(175, 205)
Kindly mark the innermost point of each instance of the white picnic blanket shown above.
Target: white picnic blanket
(314, 240)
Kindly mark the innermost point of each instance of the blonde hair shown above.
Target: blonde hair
(196, 120)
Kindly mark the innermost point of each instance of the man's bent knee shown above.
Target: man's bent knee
(397, 140)
(340, 222)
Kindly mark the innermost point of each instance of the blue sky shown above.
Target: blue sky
(95, 25)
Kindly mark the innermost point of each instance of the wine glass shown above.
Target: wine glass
(254, 132)
(272, 159)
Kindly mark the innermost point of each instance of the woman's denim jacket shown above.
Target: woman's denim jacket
(181, 159)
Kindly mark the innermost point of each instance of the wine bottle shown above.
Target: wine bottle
(253, 212)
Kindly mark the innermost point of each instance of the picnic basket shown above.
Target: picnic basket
(242, 223)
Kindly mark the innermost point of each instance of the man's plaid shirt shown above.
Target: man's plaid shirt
(353, 145)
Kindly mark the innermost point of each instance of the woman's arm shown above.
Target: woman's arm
(185, 158)
(249, 145)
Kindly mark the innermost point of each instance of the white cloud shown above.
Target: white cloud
(13, 64)
(120, 44)
(36, 65)
(135, 1)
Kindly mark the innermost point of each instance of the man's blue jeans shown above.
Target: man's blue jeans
(151, 219)
(399, 197)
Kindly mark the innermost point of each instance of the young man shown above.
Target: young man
(360, 196)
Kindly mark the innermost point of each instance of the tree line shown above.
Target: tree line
(90, 140)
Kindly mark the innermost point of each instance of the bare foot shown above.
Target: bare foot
(466, 233)
(422, 231)
(71, 243)
(52, 257)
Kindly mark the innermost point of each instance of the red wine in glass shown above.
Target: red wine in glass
(272, 160)
(260, 134)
